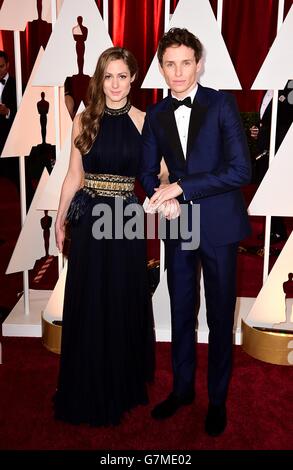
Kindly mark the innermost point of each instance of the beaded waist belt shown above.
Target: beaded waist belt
(109, 185)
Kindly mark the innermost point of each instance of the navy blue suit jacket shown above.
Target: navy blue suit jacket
(217, 163)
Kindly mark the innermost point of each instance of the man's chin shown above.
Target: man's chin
(180, 89)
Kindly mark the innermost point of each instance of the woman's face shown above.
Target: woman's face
(117, 82)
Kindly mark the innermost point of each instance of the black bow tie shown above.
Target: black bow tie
(185, 102)
(3, 81)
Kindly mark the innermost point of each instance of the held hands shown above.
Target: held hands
(164, 201)
(170, 209)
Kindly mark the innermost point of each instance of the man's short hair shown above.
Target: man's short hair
(179, 37)
(5, 56)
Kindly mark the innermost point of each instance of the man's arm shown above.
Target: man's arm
(235, 170)
(150, 162)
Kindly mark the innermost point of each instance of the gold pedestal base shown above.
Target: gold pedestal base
(51, 336)
(268, 346)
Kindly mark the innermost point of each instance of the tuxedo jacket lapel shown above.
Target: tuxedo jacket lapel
(168, 123)
(196, 118)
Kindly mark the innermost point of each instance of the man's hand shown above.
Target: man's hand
(163, 194)
(254, 132)
(3, 109)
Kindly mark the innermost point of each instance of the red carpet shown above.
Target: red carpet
(259, 407)
(260, 400)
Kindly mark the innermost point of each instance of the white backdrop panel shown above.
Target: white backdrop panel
(277, 67)
(275, 194)
(198, 17)
(269, 306)
(25, 131)
(15, 14)
(26, 11)
(60, 59)
(30, 243)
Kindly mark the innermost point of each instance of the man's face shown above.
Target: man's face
(3, 67)
(180, 70)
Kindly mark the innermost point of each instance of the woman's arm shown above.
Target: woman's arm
(164, 173)
(71, 184)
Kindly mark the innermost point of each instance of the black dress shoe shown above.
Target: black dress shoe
(216, 420)
(168, 407)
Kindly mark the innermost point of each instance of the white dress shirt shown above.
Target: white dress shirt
(182, 117)
(266, 101)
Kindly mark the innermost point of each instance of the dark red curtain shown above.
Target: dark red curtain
(249, 28)
(249, 32)
(138, 25)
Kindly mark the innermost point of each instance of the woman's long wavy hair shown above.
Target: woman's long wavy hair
(90, 118)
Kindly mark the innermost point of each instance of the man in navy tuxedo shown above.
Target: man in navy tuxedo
(7, 99)
(199, 132)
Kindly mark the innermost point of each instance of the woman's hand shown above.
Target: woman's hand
(59, 234)
(170, 209)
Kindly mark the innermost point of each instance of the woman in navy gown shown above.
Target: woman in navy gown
(107, 353)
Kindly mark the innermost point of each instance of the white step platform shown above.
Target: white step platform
(19, 324)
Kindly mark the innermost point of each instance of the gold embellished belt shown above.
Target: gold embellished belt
(109, 185)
